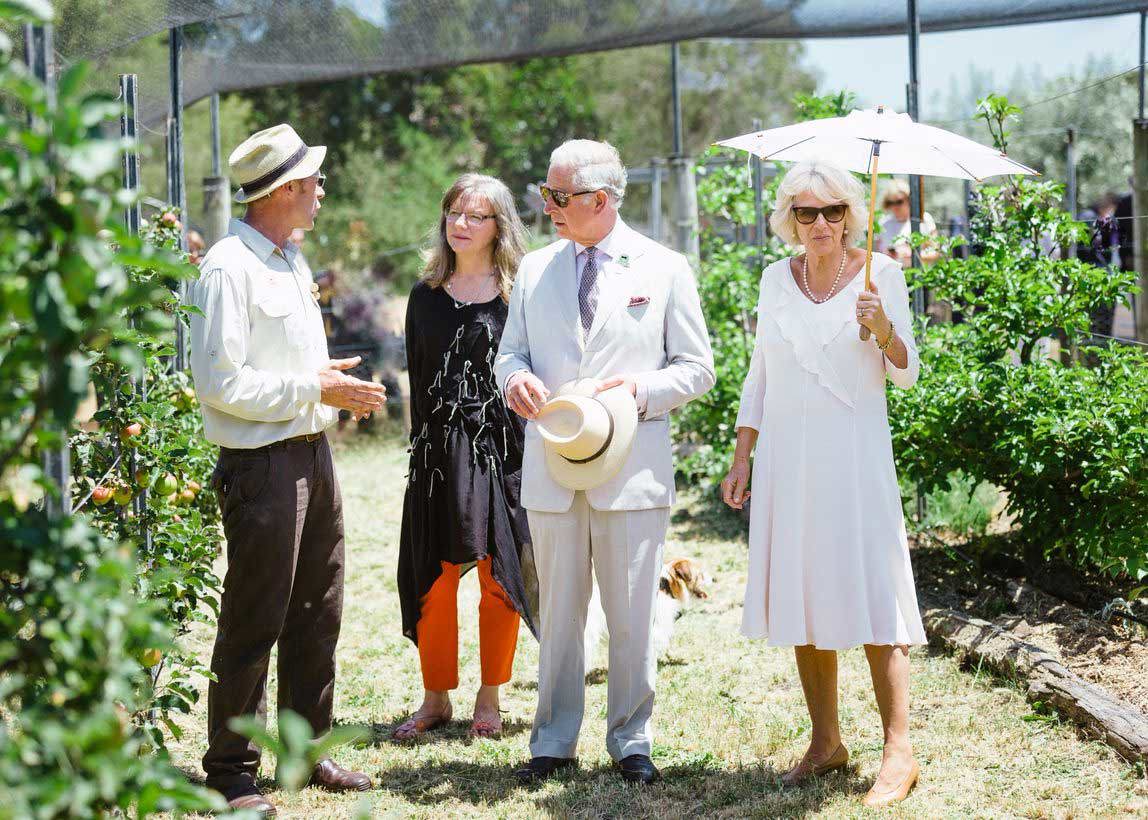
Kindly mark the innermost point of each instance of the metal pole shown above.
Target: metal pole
(967, 201)
(55, 461)
(911, 95)
(129, 84)
(1070, 203)
(657, 168)
(176, 193)
(216, 188)
(676, 98)
(216, 139)
(1140, 223)
(758, 203)
(1143, 56)
(1140, 195)
(685, 210)
(916, 210)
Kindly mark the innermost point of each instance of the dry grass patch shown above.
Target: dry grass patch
(729, 717)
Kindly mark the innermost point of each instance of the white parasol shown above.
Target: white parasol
(860, 140)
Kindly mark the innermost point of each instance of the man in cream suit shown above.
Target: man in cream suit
(603, 302)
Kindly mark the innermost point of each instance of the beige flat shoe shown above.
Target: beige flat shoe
(807, 769)
(879, 799)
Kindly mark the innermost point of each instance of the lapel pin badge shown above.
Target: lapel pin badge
(624, 261)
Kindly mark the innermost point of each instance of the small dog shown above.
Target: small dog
(682, 579)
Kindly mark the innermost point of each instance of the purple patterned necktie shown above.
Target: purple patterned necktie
(588, 290)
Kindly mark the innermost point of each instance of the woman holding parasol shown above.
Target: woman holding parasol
(829, 560)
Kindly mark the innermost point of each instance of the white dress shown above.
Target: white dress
(828, 558)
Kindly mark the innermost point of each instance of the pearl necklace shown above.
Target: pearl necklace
(833, 287)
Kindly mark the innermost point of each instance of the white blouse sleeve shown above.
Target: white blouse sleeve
(895, 299)
(752, 405)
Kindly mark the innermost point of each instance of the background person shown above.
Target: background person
(897, 226)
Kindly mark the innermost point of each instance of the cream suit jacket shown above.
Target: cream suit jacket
(648, 327)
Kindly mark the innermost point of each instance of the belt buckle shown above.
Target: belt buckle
(311, 438)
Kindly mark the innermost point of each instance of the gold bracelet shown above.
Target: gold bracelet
(888, 341)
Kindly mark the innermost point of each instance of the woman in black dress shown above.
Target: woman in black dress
(462, 503)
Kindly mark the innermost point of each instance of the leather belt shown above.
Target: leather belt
(308, 438)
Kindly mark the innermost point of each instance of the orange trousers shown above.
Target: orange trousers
(438, 630)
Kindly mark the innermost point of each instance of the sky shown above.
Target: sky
(1052, 48)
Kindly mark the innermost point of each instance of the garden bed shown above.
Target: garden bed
(1106, 652)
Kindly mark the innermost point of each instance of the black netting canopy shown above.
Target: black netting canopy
(236, 44)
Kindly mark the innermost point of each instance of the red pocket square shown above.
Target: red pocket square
(638, 300)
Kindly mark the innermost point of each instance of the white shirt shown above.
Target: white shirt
(257, 348)
(603, 255)
(895, 232)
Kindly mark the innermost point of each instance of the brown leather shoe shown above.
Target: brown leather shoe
(879, 799)
(252, 801)
(331, 776)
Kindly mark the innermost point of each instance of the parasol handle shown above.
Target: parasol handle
(864, 331)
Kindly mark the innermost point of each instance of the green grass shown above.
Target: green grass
(729, 716)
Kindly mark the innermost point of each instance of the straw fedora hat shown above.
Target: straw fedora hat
(270, 158)
(587, 437)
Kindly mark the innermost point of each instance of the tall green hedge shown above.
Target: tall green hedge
(76, 637)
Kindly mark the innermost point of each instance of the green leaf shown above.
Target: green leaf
(39, 11)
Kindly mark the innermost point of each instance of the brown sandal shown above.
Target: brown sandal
(418, 725)
(481, 727)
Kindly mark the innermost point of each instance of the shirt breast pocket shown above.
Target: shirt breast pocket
(282, 318)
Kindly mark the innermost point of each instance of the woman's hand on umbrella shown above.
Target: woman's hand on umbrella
(735, 485)
(871, 313)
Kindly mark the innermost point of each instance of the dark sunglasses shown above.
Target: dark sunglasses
(560, 198)
(889, 203)
(832, 213)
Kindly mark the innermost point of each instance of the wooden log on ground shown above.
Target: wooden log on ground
(1093, 708)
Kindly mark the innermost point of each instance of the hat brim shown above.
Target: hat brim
(307, 167)
(620, 404)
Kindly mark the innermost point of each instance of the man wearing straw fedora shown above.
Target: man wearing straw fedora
(604, 337)
(268, 391)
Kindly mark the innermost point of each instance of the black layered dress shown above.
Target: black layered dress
(463, 488)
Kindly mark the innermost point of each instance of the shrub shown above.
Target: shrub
(174, 529)
(1064, 437)
(76, 637)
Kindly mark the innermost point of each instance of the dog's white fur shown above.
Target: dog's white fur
(681, 580)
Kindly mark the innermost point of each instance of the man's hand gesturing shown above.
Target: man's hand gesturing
(348, 393)
(525, 394)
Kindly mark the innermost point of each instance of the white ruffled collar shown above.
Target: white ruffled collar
(809, 327)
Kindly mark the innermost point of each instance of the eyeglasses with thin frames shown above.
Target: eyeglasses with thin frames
(472, 219)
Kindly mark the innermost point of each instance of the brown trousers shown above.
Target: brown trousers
(283, 519)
